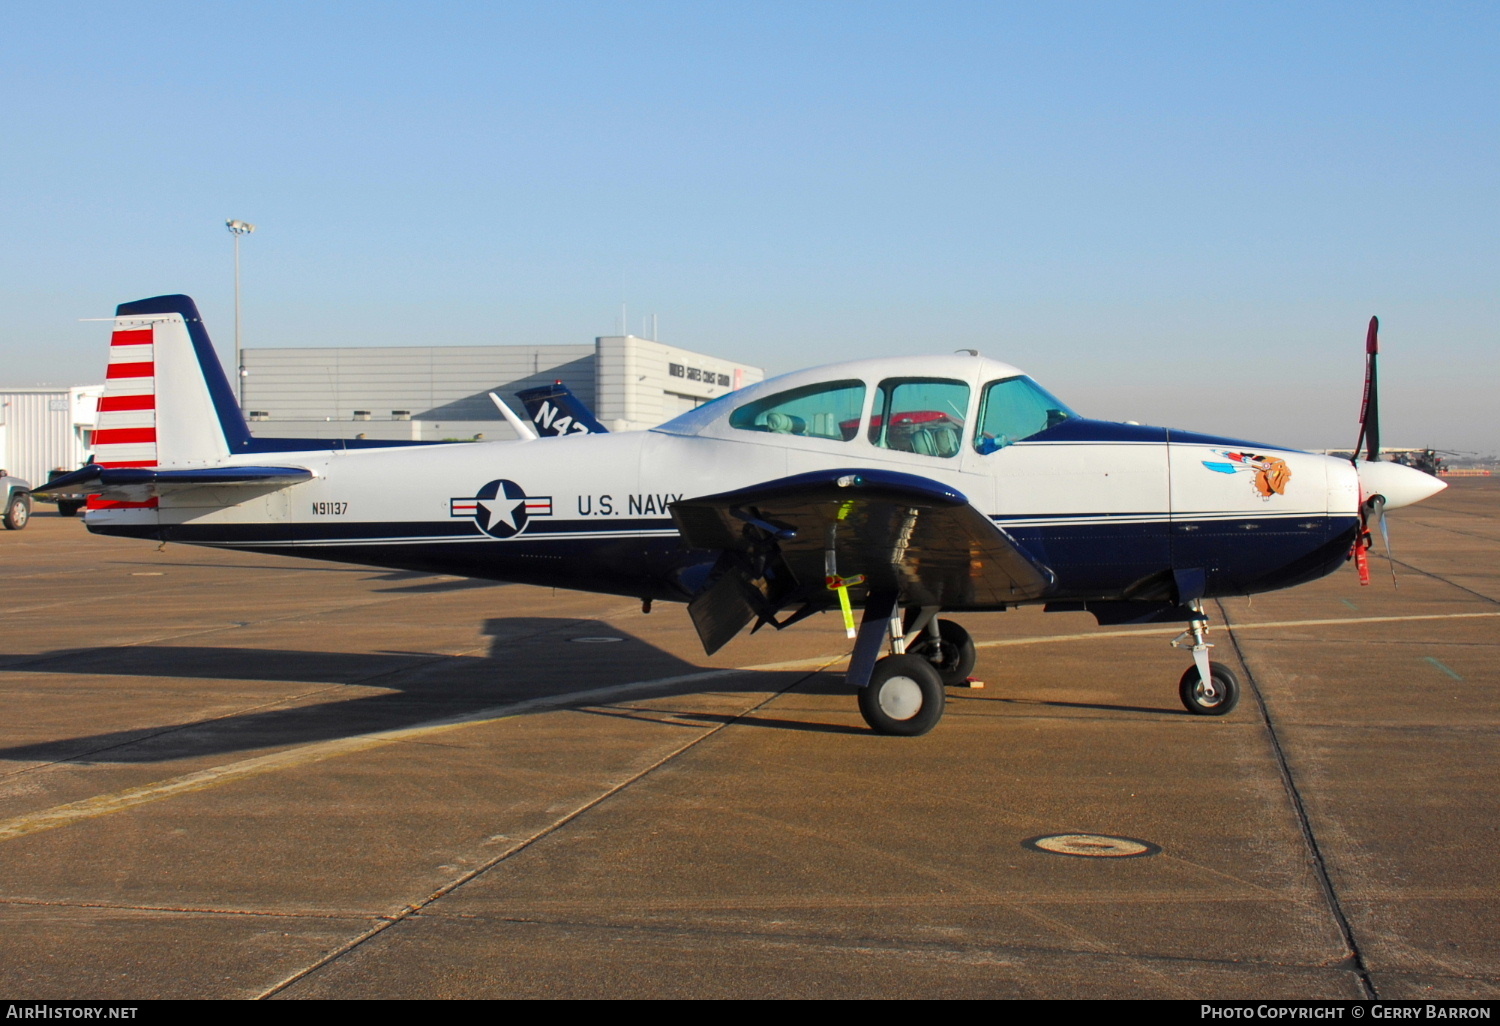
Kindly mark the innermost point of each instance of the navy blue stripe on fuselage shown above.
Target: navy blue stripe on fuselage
(436, 531)
(1084, 431)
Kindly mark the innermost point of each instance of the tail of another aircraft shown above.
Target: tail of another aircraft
(555, 410)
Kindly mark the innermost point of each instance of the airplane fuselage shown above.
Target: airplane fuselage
(1107, 507)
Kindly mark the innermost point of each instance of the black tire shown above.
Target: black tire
(1226, 688)
(18, 513)
(904, 697)
(68, 507)
(951, 654)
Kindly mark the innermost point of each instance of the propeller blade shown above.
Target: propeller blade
(1369, 409)
(1385, 532)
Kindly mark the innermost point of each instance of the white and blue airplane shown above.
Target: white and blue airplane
(911, 488)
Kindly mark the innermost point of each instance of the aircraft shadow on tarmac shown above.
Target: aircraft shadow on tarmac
(530, 657)
(425, 583)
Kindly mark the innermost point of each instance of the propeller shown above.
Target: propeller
(1371, 507)
(1382, 486)
(1369, 409)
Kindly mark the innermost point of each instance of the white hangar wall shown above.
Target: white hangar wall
(44, 428)
(430, 393)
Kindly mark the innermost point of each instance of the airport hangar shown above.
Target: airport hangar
(407, 393)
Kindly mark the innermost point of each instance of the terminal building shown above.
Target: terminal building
(436, 393)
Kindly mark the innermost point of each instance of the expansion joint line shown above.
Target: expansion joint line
(1452, 584)
(1304, 823)
(385, 922)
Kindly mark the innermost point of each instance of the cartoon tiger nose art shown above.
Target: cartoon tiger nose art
(1271, 474)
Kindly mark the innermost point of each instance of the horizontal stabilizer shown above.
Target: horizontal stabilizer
(109, 482)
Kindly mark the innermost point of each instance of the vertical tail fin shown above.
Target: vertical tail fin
(166, 400)
(555, 410)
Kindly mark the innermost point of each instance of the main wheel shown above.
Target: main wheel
(69, 507)
(904, 697)
(951, 653)
(17, 513)
(1196, 699)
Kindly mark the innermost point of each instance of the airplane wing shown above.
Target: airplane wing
(781, 542)
(133, 484)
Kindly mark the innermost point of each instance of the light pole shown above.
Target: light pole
(238, 228)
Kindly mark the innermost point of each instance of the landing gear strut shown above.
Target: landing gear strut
(902, 693)
(943, 643)
(1205, 689)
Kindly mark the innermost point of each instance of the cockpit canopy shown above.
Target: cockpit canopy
(931, 414)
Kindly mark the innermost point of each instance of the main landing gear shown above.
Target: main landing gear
(902, 693)
(1205, 689)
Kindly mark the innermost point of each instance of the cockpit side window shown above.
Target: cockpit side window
(829, 409)
(1015, 409)
(920, 415)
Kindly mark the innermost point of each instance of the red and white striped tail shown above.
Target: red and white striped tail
(126, 431)
(157, 409)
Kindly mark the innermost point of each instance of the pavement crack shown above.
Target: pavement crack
(1451, 583)
(188, 909)
(1299, 809)
(415, 907)
(834, 942)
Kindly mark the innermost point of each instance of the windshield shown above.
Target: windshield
(1015, 409)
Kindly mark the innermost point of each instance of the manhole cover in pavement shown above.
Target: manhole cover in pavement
(1092, 846)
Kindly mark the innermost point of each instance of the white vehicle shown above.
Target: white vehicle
(15, 502)
(911, 488)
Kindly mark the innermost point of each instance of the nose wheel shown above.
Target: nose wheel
(1216, 698)
(1206, 689)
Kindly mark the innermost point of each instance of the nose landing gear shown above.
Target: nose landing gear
(1205, 689)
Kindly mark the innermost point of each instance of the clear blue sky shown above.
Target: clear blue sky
(1173, 213)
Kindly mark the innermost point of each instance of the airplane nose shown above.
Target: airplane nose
(1400, 485)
